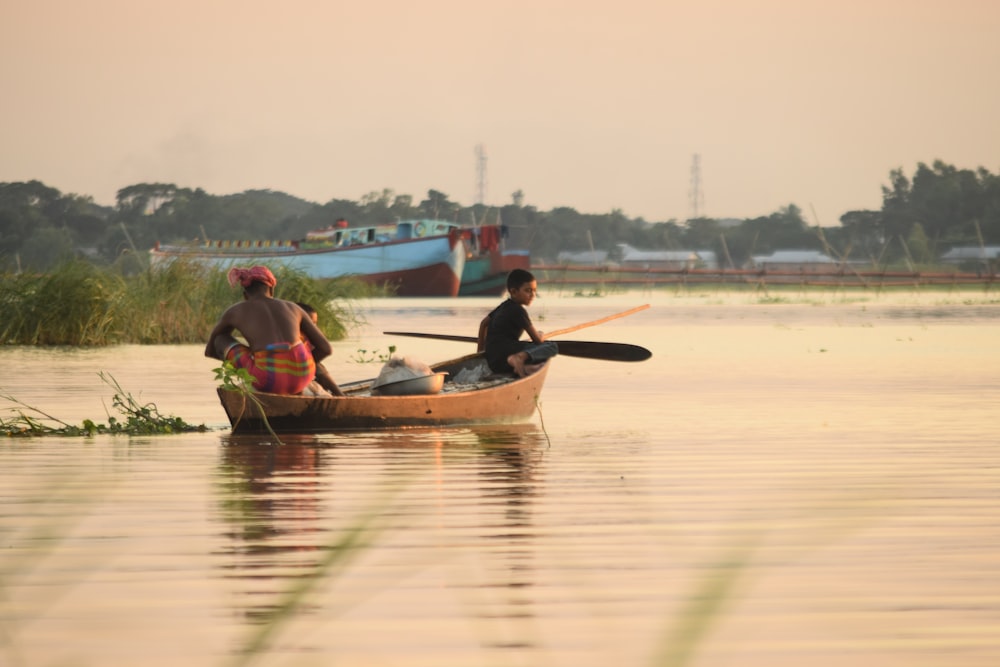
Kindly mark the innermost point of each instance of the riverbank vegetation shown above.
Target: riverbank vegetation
(922, 216)
(79, 303)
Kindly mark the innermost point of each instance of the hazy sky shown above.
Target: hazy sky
(591, 104)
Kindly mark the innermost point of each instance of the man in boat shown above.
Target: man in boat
(275, 354)
(500, 331)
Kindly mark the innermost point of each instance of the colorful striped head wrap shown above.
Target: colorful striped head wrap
(255, 274)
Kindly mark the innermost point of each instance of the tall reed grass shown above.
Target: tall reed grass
(81, 304)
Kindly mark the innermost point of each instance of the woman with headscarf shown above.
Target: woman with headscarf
(274, 329)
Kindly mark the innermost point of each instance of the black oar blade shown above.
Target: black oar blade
(604, 351)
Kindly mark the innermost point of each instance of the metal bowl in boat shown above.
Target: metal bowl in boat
(428, 384)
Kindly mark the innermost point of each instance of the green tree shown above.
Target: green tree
(864, 234)
(952, 206)
(944, 200)
(521, 223)
(377, 204)
(142, 199)
(438, 207)
(45, 249)
(667, 235)
(380, 208)
(24, 209)
(988, 222)
(918, 245)
(702, 233)
(784, 229)
(402, 207)
(896, 215)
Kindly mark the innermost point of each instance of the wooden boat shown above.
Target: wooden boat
(416, 257)
(470, 395)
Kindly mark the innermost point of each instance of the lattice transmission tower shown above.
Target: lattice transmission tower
(695, 194)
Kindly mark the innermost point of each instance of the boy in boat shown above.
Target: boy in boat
(323, 379)
(500, 331)
(274, 329)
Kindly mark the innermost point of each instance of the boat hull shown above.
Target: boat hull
(430, 266)
(488, 261)
(495, 400)
(486, 275)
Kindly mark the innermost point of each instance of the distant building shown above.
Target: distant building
(975, 257)
(594, 257)
(645, 259)
(802, 261)
(709, 260)
(657, 259)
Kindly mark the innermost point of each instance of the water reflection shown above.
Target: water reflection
(270, 504)
(511, 477)
(285, 506)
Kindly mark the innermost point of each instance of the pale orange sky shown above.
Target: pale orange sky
(591, 104)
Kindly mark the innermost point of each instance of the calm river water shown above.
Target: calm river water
(813, 480)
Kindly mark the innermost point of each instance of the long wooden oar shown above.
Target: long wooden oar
(558, 332)
(570, 348)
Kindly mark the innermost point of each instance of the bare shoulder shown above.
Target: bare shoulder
(234, 309)
(292, 308)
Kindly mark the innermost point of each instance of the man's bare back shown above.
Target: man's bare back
(264, 320)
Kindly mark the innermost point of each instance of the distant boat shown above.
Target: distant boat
(416, 257)
(488, 262)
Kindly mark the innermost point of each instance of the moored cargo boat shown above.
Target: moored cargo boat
(403, 256)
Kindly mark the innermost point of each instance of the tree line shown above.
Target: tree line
(938, 207)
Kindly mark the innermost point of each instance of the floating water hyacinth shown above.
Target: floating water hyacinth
(139, 419)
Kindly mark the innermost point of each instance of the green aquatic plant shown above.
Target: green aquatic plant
(769, 299)
(363, 356)
(541, 420)
(231, 378)
(138, 419)
(239, 380)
